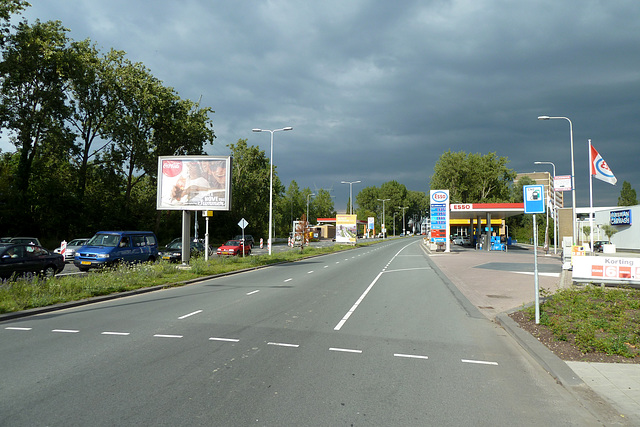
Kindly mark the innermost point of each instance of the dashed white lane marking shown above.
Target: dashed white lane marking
(224, 339)
(15, 328)
(288, 280)
(411, 356)
(66, 331)
(253, 292)
(479, 362)
(116, 333)
(282, 344)
(167, 336)
(345, 350)
(309, 272)
(326, 266)
(189, 315)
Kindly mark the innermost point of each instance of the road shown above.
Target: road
(370, 336)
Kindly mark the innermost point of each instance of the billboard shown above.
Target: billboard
(346, 229)
(197, 183)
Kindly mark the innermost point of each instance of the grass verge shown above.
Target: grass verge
(594, 319)
(40, 292)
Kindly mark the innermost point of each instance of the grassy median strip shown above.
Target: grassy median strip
(26, 294)
(594, 319)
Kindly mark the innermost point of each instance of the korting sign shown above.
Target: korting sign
(606, 269)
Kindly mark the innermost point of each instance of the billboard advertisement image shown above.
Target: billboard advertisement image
(194, 183)
(346, 229)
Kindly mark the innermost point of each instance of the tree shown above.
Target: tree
(609, 230)
(8, 8)
(627, 195)
(473, 178)
(32, 104)
(250, 188)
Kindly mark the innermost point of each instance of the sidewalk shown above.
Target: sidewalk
(498, 283)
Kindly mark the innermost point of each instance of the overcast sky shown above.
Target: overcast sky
(377, 91)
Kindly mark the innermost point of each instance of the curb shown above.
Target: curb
(551, 363)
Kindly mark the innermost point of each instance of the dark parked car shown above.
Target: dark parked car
(597, 245)
(25, 240)
(26, 260)
(173, 251)
(233, 247)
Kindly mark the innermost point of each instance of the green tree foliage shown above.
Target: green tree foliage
(627, 195)
(32, 106)
(609, 230)
(7, 9)
(398, 195)
(88, 129)
(250, 191)
(473, 178)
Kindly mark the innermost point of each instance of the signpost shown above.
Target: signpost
(243, 223)
(440, 217)
(533, 204)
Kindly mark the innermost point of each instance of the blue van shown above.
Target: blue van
(111, 247)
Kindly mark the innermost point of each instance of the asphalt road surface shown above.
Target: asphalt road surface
(371, 336)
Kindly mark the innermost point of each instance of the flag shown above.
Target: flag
(600, 168)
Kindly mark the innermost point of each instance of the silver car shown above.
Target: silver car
(72, 247)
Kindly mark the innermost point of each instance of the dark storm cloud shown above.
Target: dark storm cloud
(378, 91)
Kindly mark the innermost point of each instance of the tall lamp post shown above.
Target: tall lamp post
(573, 177)
(555, 209)
(309, 195)
(384, 226)
(350, 193)
(404, 231)
(271, 180)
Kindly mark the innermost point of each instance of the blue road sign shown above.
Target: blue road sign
(533, 199)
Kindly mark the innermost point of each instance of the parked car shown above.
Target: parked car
(173, 251)
(72, 247)
(233, 247)
(107, 248)
(25, 260)
(457, 240)
(25, 240)
(248, 239)
(597, 245)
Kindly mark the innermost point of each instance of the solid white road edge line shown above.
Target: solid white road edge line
(353, 308)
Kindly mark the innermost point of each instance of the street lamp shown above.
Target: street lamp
(384, 226)
(271, 179)
(350, 193)
(555, 209)
(404, 231)
(573, 177)
(309, 195)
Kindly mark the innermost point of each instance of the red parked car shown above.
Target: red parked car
(233, 247)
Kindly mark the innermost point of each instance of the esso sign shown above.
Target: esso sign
(462, 207)
(439, 196)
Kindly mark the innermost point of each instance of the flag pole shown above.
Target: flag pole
(591, 195)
